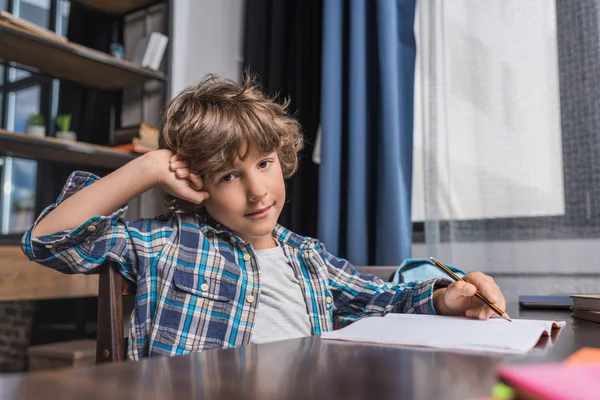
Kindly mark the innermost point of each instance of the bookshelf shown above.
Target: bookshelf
(107, 92)
(70, 61)
(117, 6)
(62, 151)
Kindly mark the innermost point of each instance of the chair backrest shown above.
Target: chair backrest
(383, 272)
(111, 343)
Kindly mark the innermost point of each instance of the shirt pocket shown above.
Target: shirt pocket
(196, 314)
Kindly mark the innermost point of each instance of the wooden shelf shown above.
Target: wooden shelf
(26, 280)
(116, 6)
(70, 61)
(62, 151)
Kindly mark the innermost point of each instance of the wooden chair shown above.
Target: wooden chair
(111, 344)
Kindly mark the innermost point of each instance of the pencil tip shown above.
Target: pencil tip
(506, 317)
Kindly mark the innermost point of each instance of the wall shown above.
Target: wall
(207, 38)
(15, 331)
(539, 267)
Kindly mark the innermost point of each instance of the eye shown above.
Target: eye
(265, 164)
(228, 178)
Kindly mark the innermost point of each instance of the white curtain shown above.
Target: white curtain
(504, 166)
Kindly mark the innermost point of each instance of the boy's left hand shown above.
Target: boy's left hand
(459, 298)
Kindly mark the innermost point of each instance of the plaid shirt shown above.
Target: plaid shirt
(198, 284)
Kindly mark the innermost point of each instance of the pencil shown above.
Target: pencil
(478, 294)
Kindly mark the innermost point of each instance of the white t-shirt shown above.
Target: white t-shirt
(281, 311)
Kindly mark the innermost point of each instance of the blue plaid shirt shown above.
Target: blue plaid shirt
(198, 284)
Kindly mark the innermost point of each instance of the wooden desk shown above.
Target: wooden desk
(299, 369)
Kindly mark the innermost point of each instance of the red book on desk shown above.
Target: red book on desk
(555, 381)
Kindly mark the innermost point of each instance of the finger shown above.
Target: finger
(459, 296)
(194, 196)
(176, 157)
(182, 173)
(175, 165)
(485, 284)
(486, 313)
(197, 182)
(464, 289)
(490, 291)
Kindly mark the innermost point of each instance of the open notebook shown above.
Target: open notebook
(455, 333)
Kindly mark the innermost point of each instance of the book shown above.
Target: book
(452, 333)
(554, 381)
(125, 135)
(150, 50)
(589, 315)
(141, 146)
(135, 147)
(587, 301)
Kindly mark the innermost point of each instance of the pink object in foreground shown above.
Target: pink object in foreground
(555, 381)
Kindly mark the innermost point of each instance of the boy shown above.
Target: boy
(217, 271)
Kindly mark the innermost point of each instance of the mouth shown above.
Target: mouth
(263, 212)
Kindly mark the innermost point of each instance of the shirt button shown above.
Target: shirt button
(328, 300)
(204, 287)
(250, 299)
(232, 239)
(91, 228)
(49, 246)
(247, 257)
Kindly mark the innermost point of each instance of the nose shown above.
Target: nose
(256, 189)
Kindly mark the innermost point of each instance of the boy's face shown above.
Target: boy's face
(249, 198)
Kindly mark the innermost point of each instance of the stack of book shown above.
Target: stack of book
(150, 50)
(586, 306)
(140, 138)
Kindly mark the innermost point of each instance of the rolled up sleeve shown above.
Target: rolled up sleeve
(85, 248)
(359, 295)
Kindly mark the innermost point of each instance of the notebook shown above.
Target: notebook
(452, 333)
(588, 315)
(555, 381)
(586, 301)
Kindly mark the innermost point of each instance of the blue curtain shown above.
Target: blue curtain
(365, 178)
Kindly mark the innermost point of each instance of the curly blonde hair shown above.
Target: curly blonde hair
(218, 121)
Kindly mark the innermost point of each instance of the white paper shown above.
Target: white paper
(454, 333)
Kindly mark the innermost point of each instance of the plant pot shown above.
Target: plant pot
(36, 130)
(66, 135)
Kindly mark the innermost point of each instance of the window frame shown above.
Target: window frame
(48, 103)
(580, 144)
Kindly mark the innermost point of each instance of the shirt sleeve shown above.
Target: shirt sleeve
(358, 295)
(133, 245)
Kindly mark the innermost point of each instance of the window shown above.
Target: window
(36, 11)
(23, 93)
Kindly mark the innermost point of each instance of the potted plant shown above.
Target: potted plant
(36, 125)
(64, 124)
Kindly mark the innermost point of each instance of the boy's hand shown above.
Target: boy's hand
(173, 176)
(459, 298)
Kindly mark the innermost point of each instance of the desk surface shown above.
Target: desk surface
(307, 368)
